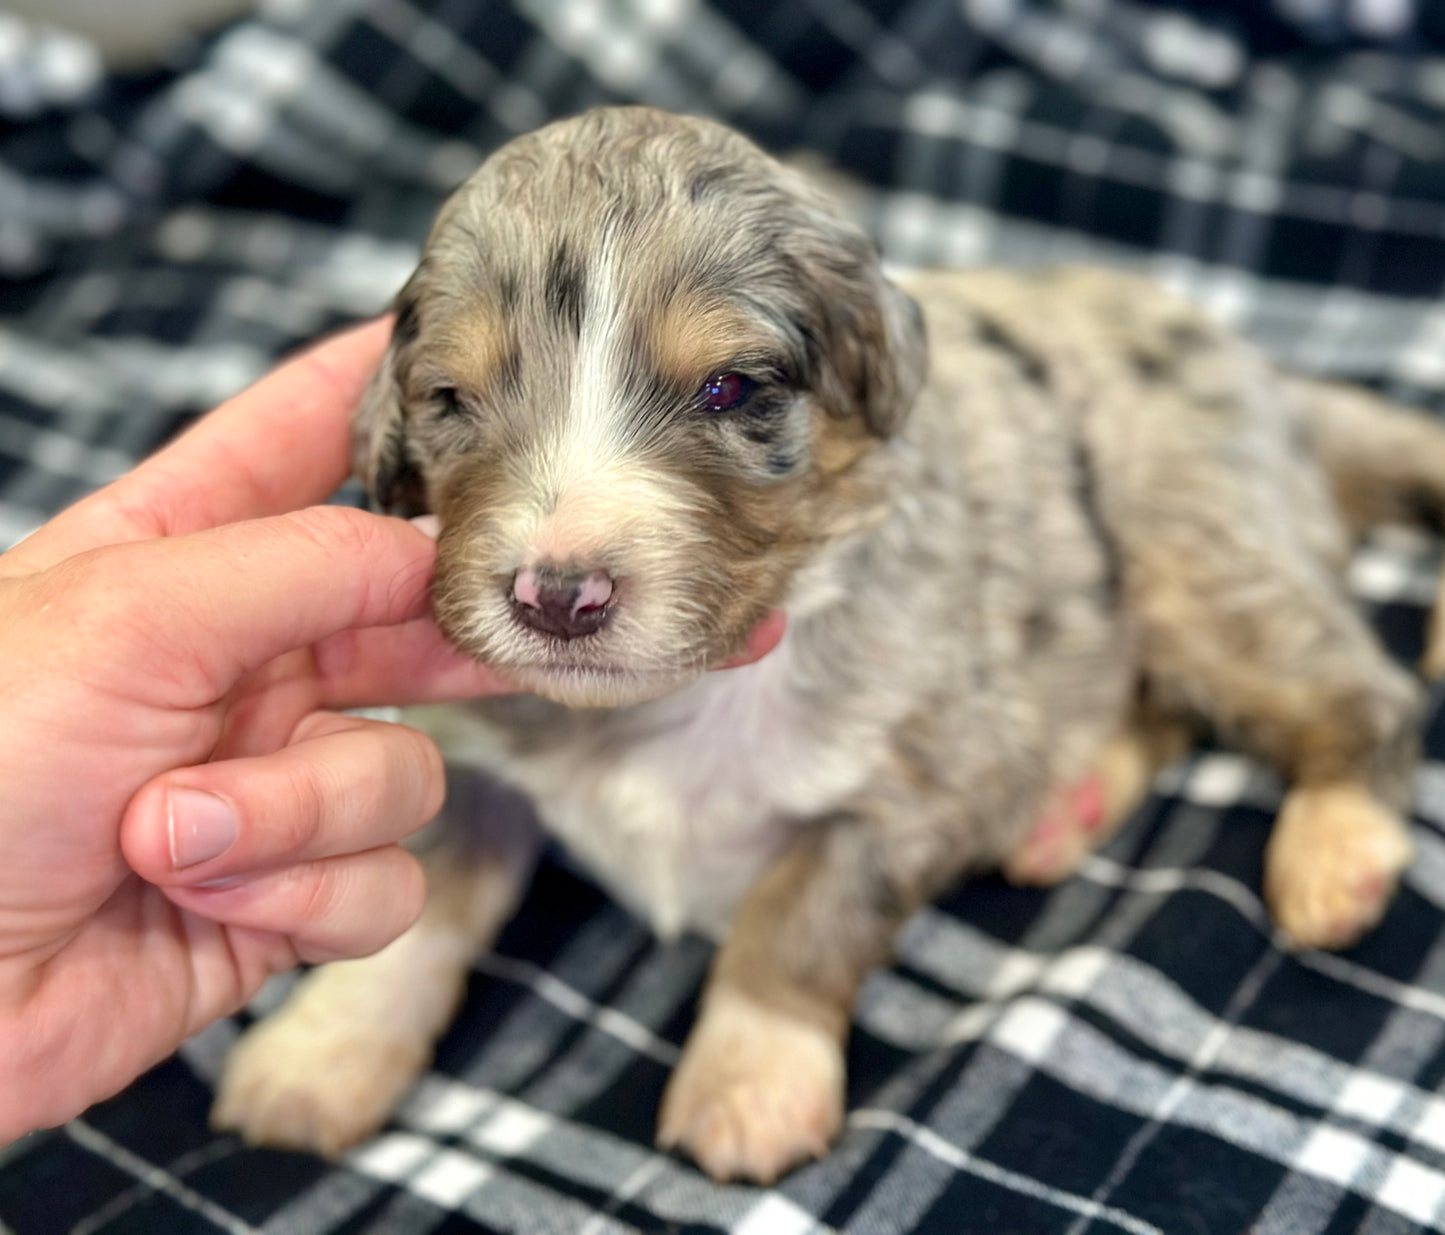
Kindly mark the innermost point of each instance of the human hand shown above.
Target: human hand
(184, 813)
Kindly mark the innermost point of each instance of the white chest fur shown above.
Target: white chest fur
(680, 821)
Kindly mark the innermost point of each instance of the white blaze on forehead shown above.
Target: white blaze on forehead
(594, 490)
(591, 432)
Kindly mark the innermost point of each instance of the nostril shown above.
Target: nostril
(567, 605)
(593, 592)
(525, 588)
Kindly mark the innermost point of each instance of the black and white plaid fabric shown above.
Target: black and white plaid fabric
(1129, 1052)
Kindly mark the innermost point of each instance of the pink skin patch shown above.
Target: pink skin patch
(762, 639)
(596, 591)
(1087, 803)
(524, 588)
(1075, 808)
(1071, 814)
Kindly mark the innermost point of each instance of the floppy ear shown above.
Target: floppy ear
(895, 357)
(380, 456)
(874, 351)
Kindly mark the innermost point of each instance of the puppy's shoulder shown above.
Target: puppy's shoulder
(1097, 340)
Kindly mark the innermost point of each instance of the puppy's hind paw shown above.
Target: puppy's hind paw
(757, 1092)
(289, 1084)
(1077, 818)
(1332, 864)
(1065, 833)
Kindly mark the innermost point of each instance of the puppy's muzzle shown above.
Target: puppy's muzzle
(563, 604)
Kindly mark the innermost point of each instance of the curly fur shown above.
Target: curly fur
(1090, 511)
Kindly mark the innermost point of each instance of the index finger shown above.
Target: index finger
(280, 445)
(183, 618)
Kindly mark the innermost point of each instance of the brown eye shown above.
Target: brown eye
(722, 392)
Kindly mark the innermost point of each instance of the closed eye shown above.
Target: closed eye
(447, 402)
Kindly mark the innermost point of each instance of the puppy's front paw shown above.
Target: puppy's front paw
(1332, 864)
(757, 1092)
(290, 1083)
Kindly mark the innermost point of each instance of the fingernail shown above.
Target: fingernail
(202, 827)
(427, 525)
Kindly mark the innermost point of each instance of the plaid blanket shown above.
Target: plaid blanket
(1129, 1052)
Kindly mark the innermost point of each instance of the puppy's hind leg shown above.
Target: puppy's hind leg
(329, 1067)
(1262, 641)
(1386, 464)
(1081, 817)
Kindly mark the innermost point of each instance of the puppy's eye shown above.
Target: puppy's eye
(447, 402)
(723, 392)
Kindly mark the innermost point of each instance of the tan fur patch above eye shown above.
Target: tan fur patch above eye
(476, 348)
(690, 339)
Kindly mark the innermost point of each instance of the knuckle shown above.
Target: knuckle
(398, 892)
(398, 772)
(391, 577)
(89, 588)
(340, 530)
(320, 888)
(355, 906)
(353, 781)
(104, 603)
(321, 724)
(307, 796)
(410, 883)
(430, 771)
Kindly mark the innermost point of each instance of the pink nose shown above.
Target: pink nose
(566, 605)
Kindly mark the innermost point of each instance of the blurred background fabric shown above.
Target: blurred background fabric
(181, 204)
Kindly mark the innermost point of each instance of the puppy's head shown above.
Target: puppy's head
(638, 374)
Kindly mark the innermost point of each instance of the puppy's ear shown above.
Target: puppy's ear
(895, 358)
(380, 455)
(874, 352)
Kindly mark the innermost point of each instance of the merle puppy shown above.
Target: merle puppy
(1025, 530)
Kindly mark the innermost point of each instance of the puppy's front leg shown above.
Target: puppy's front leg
(761, 1083)
(328, 1068)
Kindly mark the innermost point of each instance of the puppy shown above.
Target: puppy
(658, 392)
